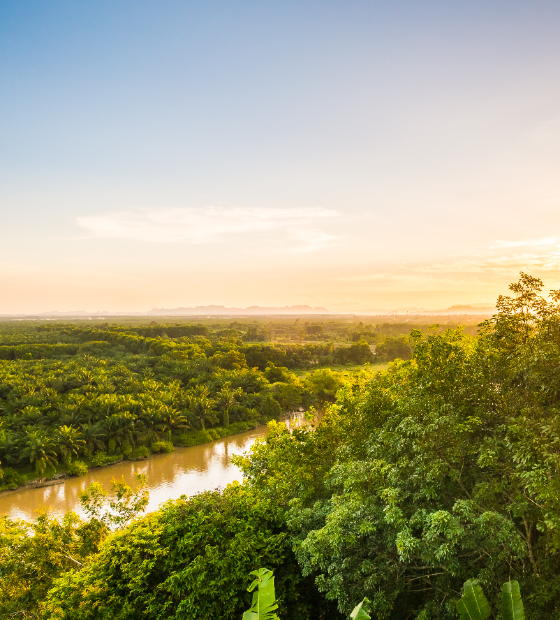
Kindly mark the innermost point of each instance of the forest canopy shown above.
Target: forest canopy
(442, 469)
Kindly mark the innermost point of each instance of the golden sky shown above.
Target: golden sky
(348, 155)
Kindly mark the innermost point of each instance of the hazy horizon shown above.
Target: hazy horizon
(257, 310)
(345, 155)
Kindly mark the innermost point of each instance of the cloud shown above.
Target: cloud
(454, 273)
(306, 240)
(207, 224)
(518, 244)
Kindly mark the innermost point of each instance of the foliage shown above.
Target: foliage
(34, 554)
(101, 459)
(72, 392)
(359, 612)
(394, 348)
(190, 560)
(264, 597)
(77, 468)
(473, 605)
(443, 467)
(141, 452)
(162, 446)
(325, 383)
(512, 604)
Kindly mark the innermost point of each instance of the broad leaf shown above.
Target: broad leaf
(473, 604)
(264, 598)
(512, 605)
(359, 612)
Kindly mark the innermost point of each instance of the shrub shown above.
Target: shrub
(141, 452)
(194, 439)
(162, 447)
(11, 479)
(211, 434)
(101, 459)
(77, 468)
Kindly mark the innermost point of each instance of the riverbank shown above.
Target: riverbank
(81, 467)
(184, 471)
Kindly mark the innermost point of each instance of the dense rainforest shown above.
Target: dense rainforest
(440, 469)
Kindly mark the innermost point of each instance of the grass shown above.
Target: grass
(350, 370)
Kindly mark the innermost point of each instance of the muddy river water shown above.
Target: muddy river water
(185, 471)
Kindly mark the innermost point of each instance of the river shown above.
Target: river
(185, 471)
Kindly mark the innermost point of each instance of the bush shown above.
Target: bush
(11, 479)
(162, 447)
(211, 434)
(101, 459)
(194, 439)
(77, 468)
(139, 453)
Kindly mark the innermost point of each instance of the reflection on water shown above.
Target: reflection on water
(184, 472)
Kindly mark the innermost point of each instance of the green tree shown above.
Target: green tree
(324, 383)
(227, 399)
(189, 560)
(40, 450)
(169, 418)
(34, 554)
(444, 467)
(69, 441)
(93, 438)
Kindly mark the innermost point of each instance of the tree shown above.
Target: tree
(169, 418)
(121, 430)
(324, 383)
(227, 399)
(392, 349)
(70, 442)
(444, 467)
(34, 554)
(93, 437)
(190, 560)
(40, 450)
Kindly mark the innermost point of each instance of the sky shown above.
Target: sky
(351, 155)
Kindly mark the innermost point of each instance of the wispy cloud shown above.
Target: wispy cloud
(527, 243)
(207, 224)
(452, 274)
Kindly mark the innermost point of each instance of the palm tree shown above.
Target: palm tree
(204, 411)
(9, 448)
(169, 419)
(92, 435)
(227, 398)
(69, 442)
(40, 449)
(120, 428)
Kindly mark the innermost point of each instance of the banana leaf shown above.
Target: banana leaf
(264, 597)
(359, 612)
(512, 605)
(473, 604)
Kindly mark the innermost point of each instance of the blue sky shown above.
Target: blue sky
(351, 155)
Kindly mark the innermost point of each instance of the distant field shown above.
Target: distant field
(349, 370)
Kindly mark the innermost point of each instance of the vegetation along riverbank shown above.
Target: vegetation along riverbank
(440, 471)
(75, 396)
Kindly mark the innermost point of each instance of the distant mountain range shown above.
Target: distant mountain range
(251, 310)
